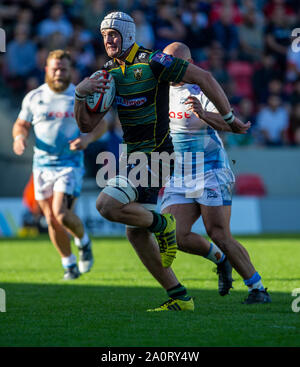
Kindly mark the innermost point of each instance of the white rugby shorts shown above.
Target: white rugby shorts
(62, 179)
(215, 190)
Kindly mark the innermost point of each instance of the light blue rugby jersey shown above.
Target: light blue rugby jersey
(52, 117)
(189, 134)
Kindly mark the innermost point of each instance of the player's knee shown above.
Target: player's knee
(50, 219)
(106, 211)
(62, 218)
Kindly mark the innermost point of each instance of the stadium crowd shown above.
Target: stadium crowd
(246, 44)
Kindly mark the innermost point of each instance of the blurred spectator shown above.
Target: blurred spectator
(273, 121)
(81, 43)
(226, 33)
(273, 5)
(294, 129)
(144, 32)
(218, 8)
(263, 74)
(148, 8)
(245, 112)
(40, 62)
(167, 26)
(115, 5)
(278, 38)
(251, 37)
(198, 30)
(55, 41)
(93, 12)
(20, 57)
(40, 9)
(241, 72)
(25, 16)
(73, 8)
(56, 22)
(81, 35)
(248, 6)
(9, 11)
(295, 96)
(275, 86)
(215, 64)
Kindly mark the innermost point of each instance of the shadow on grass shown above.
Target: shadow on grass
(80, 315)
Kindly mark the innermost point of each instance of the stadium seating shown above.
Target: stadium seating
(250, 185)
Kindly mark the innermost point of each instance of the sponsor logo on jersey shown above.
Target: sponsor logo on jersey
(59, 115)
(179, 115)
(130, 102)
(164, 59)
(138, 73)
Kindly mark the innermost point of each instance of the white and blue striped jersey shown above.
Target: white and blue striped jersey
(189, 133)
(52, 117)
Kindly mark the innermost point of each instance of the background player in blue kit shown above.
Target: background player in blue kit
(58, 159)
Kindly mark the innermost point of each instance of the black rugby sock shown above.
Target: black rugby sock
(178, 292)
(159, 223)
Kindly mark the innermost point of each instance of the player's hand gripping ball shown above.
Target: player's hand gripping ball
(99, 101)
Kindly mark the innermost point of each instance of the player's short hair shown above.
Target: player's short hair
(59, 54)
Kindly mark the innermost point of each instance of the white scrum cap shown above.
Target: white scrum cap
(124, 24)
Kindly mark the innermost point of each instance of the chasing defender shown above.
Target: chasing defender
(190, 113)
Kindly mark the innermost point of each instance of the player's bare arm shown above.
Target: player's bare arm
(85, 119)
(20, 134)
(211, 88)
(214, 119)
(83, 141)
(214, 92)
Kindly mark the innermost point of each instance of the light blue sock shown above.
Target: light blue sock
(215, 254)
(254, 282)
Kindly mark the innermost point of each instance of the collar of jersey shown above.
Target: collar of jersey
(132, 53)
(129, 59)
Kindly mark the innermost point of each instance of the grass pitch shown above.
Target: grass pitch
(107, 307)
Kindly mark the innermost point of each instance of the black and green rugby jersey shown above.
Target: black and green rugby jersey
(142, 97)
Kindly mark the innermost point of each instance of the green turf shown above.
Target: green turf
(106, 307)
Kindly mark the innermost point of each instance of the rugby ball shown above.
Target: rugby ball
(101, 102)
